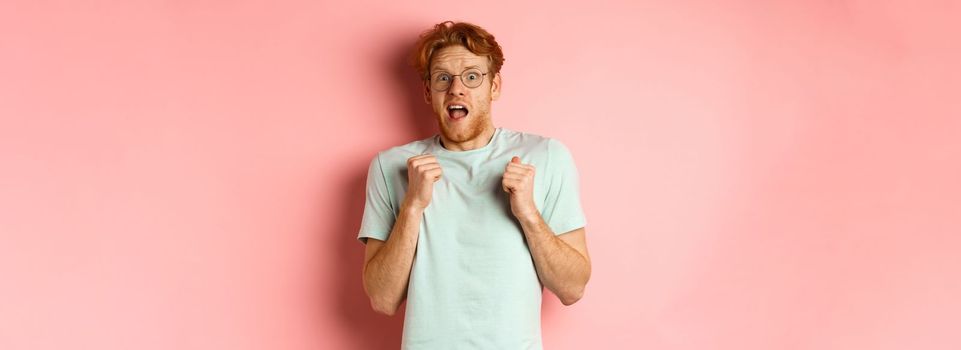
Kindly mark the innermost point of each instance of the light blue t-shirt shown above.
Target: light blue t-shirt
(473, 284)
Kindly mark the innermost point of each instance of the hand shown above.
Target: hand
(422, 172)
(519, 183)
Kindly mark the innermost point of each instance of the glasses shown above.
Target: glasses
(472, 78)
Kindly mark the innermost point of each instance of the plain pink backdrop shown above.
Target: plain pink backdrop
(190, 174)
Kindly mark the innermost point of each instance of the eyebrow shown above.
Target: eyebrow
(436, 69)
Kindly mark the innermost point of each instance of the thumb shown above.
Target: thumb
(516, 159)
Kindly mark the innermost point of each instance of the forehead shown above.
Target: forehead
(456, 58)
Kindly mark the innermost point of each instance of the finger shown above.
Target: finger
(513, 186)
(427, 167)
(516, 161)
(522, 165)
(424, 164)
(420, 156)
(516, 177)
(422, 160)
(433, 174)
(517, 170)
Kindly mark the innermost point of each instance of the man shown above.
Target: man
(470, 224)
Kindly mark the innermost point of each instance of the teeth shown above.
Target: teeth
(455, 107)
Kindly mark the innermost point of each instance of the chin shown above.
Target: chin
(459, 133)
(460, 136)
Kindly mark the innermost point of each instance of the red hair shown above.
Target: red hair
(445, 34)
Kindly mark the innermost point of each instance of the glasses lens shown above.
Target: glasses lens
(440, 81)
(472, 78)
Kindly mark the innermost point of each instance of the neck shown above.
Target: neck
(481, 140)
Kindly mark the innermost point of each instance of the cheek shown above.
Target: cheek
(481, 100)
(436, 102)
(484, 94)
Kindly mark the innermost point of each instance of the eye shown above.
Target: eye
(473, 75)
(443, 77)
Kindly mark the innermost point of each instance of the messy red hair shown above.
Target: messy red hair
(445, 34)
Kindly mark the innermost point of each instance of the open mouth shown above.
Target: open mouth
(457, 112)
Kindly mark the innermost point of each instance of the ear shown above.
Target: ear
(496, 87)
(426, 93)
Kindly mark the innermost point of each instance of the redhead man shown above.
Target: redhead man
(469, 225)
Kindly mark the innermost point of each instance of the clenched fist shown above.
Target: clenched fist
(519, 183)
(422, 172)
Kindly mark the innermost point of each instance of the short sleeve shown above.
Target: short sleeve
(378, 212)
(562, 206)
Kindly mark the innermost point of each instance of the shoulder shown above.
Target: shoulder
(548, 147)
(529, 142)
(396, 157)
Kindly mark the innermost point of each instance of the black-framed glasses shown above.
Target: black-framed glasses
(471, 77)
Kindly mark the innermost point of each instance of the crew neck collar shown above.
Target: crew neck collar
(440, 148)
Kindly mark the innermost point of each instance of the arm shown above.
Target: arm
(387, 263)
(562, 262)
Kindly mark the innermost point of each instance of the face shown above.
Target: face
(466, 124)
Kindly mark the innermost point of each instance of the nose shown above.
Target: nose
(457, 87)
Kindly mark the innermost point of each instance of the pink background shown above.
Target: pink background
(189, 174)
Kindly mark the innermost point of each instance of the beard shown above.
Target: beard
(465, 130)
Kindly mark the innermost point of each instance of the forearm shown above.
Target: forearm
(560, 267)
(386, 275)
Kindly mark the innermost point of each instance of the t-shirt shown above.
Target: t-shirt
(473, 284)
